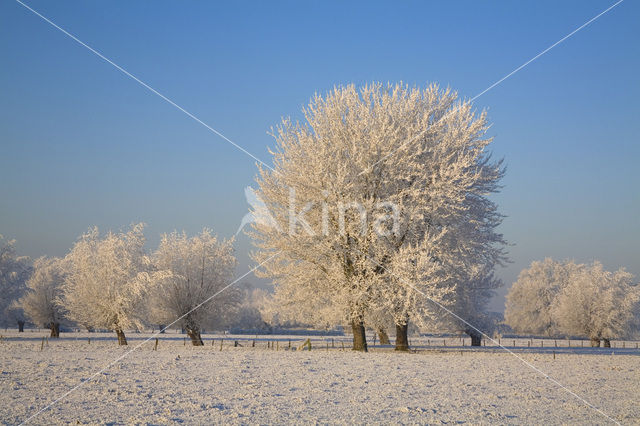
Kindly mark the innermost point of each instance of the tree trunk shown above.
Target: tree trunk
(402, 339)
(359, 336)
(607, 343)
(383, 336)
(194, 335)
(122, 340)
(162, 327)
(55, 329)
(595, 342)
(20, 326)
(476, 338)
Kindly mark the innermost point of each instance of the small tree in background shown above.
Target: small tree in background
(190, 271)
(41, 302)
(531, 297)
(108, 280)
(598, 304)
(14, 272)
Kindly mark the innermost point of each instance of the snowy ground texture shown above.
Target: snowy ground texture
(255, 385)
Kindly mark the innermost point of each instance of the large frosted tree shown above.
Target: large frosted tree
(365, 203)
(14, 272)
(42, 300)
(108, 280)
(191, 277)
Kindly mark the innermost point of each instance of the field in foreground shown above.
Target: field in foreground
(178, 383)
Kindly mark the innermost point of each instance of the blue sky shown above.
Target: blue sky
(81, 144)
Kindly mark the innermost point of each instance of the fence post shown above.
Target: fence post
(42, 345)
(221, 342)
(155, 347)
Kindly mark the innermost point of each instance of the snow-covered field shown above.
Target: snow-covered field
(200, 385)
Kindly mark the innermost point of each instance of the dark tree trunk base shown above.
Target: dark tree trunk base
(383, 336)
(476, 338)
(122, 340)
(55, 329)
(595, 343)
(196, 340)
(402, 338)
(20, 326)
(606, 343)
(359, 336)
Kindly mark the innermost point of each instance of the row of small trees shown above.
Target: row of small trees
(566, 298)
(110, 282)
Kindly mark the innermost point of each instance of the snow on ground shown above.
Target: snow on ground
(201, 385)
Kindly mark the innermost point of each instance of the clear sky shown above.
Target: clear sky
(82, 144)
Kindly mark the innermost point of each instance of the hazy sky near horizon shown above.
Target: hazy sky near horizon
(82, 144)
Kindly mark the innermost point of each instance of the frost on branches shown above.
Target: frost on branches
(189, 271)
(108, 280)
(572, 299)
(42, 301)
(14, 272)
(378, 208)
(598, 304)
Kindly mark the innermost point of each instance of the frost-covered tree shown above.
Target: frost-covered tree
(366, 202)
(108, 279)
(470, 307)
(530, 300)
(42, 300)
(598, 304)
(190, 271)
(249, 315)
(14, 272)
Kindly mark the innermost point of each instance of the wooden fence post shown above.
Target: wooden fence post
(221, 342)
(155, 347)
